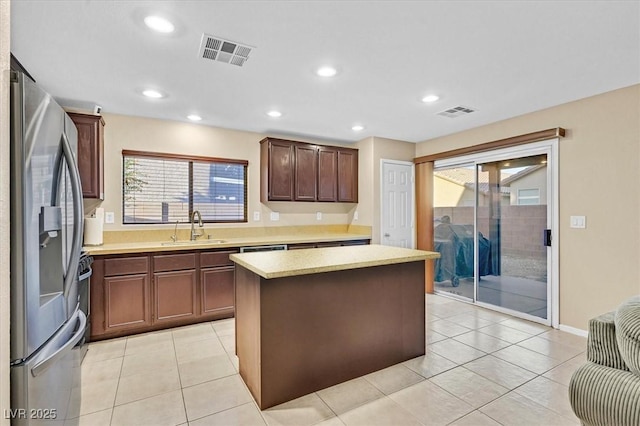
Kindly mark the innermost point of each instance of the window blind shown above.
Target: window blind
(161, 188)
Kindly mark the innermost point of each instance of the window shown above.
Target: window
(528, 197)
(165, 188)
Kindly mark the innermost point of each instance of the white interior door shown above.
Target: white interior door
(396, 224)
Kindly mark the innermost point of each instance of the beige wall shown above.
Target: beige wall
(5, 244)
(145, 134)
(365, 209)
(599, 161)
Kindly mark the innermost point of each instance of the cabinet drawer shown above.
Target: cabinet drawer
(216, 258)
(174, 262)
(126, 266)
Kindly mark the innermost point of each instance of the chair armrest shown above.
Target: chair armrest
(603, 396)
(602, 347)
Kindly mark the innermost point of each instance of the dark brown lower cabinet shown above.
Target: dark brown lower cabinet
(126, 302)
(175, 295)
(136, 293)
(217, 290)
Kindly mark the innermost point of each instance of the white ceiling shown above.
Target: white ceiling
(503, 58)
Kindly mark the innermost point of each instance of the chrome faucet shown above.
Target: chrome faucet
(194, 234)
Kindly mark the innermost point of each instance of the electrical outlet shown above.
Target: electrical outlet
(275, 216)
(109, 217)
(319, 216)
(355, 216)
(256, 216)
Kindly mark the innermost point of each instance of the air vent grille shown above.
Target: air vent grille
(456, 111)
(221, 50)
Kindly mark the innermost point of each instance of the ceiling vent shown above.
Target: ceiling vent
(221, 50)
(456, 111)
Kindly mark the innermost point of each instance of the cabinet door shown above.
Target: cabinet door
(174, 295)
(90, 154)
(327, 174)
(348, 176)
(126, 302)
(217, 290)
(306, 164)
(281, 171)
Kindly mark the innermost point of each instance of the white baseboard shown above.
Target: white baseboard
(573, 330)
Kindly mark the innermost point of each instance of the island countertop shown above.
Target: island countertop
(285, 263)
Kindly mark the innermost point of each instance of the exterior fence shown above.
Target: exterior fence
(521, 227)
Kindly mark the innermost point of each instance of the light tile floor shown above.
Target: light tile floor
(481, 368)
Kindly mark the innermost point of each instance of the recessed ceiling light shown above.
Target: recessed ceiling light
(430, 98)
(357, 128)
(326, 71)
(274, 114)
(159, 24)
(152, 93)
(194, 117)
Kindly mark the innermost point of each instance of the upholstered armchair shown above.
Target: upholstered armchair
(606, 390)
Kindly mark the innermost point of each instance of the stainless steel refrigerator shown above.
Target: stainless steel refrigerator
(46, 242)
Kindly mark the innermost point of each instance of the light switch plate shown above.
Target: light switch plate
(318, 215)
(109, 217)
(355, 216)
(275, 216)
(578, 222)
(256, 216)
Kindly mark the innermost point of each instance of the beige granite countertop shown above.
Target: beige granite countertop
(203, 244)
(278, 264)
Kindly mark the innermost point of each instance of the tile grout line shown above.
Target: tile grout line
(184, 403)
(115, 396)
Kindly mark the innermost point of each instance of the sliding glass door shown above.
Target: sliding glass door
(511, 225)
(492, 228)
(454, 202)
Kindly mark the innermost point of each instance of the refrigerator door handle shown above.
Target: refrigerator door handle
(78, 216)
(43, 365)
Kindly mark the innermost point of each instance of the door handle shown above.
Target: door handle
(78, 213)
(547, 237)
(44, 365)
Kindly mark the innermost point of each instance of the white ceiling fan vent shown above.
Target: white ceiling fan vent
(221, 50)
(456, 111)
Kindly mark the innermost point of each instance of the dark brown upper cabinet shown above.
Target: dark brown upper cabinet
(299, 171)
(305, 167)
(348, 176)
(276, 170)
(327, 174)
(90, 153)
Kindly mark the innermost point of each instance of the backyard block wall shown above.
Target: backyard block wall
(521, 232)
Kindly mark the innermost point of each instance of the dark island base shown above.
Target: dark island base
(300, 334)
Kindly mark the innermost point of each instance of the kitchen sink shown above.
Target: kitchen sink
(196, 242)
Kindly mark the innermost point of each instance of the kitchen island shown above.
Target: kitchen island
(310, 319)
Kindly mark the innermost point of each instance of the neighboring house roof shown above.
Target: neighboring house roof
(466, 177)
(521, 174)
